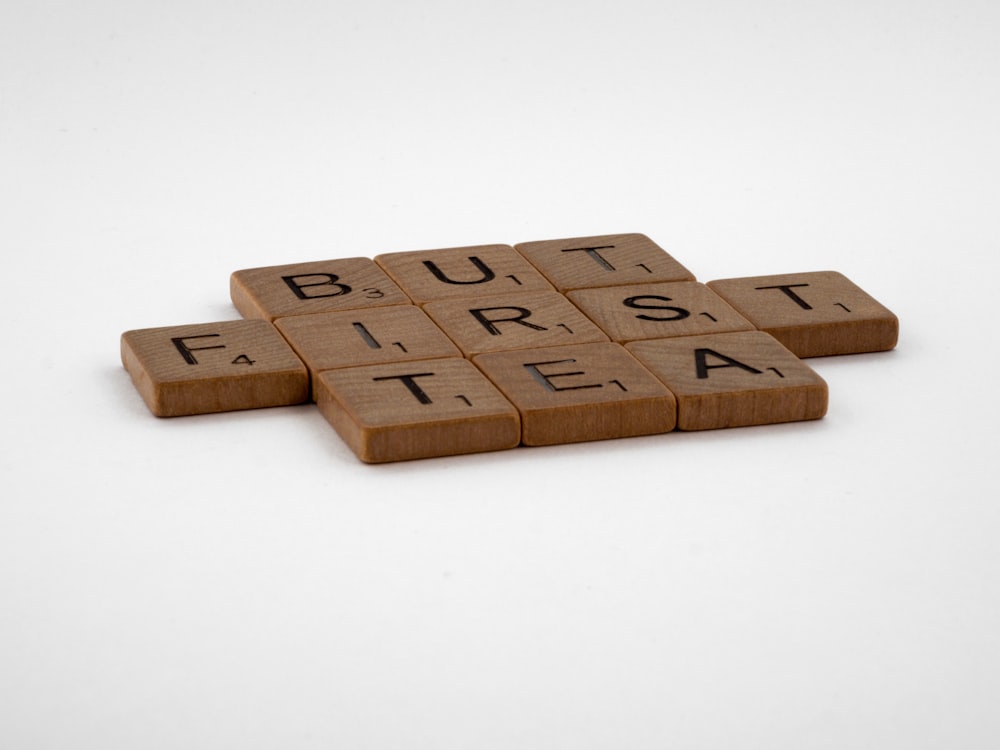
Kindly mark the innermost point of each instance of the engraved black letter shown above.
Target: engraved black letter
(787, 289)
(546, 380)
(592, 252)
(703, 367)
(185, 350)
(488, 274)
(408, 381)
(634, 303)
(366, 336)
(329, 280)
(519, 318)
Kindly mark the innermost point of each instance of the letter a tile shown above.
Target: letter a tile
(213, 367)
(409, 410)
(814, 314)
(568, 394)
(733, 379)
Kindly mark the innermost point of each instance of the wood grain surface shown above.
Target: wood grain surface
(733, 379)
(213, 367)
(814, 314)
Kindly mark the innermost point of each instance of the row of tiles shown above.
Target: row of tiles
(344, 319)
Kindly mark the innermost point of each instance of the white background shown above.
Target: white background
(242, 581)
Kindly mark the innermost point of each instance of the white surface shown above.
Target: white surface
(242, 580)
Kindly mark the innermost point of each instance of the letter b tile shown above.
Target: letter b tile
(315, 287)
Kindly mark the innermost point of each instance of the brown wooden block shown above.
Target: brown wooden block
(605, 260)
(513, 321)
(408, 410)
(814, 314)
(733, 379)
(213, 367)
(652, 311)
(568, 394)
(458, 272)
(315, 287)
(401, 333)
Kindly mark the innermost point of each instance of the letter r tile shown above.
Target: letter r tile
(605, 260)
(814, 314)
(423, 409)
(213, 367)
(568, 394)
(513, 321)
(315, 287)
(457, 272)
(733, 379)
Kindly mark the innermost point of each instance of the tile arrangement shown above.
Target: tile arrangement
(461, 350)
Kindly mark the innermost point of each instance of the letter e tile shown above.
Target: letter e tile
(423, 409)
(213, 367)
(733, 379)
(568, 394)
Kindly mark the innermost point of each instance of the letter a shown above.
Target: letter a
(703, 367)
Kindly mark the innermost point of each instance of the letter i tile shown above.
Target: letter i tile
(423, 409)
(733, 379)
(213, 367)
(327, 341)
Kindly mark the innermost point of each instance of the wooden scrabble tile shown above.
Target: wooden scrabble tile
(315, 287)
(450, 273)
(513, 321)
(652, 311)
(568, 394)
(733, 379)
(813, 314)
(605, 260)
(213, 367)
(400, 333)
(408, 410)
